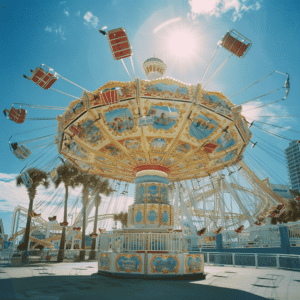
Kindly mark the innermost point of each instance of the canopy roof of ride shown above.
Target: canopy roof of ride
(163, 124)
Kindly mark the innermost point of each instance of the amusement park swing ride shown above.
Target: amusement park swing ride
(173, 141)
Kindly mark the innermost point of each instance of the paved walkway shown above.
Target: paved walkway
(81, 281)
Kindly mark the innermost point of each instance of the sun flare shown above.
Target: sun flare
(182, 43)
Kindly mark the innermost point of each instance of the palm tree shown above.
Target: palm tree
(66, 174)
(122, 217)
(101, 188)
(88, 182)
(38, 177)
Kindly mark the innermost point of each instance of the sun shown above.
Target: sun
(181, 43)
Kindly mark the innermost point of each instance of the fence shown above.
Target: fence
(257, 260)
(269, 237)
(14, 258)
(127, 242)
(294, 235)
(207, 242)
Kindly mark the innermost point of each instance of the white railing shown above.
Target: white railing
(257, 260)
(294, 235)
(269, 237)
(208, 242)
(126, 242)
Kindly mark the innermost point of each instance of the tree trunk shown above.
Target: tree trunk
(85, 194)
(97, 203)
(23, 247)
(61, 251)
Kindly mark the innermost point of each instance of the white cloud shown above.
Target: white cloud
(63, 2)
(58, 30)
(49, 29)
(66, 12)
(7, 177)
(219, 7)
(91, 19)
(252, 112)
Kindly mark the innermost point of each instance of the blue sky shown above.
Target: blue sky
(64, 35)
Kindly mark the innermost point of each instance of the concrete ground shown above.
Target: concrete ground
(81, 281)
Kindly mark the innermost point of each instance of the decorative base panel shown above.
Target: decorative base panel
(152, 265)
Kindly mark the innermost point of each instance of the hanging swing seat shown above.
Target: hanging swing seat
(277, 211)
(76, 130)
(145, 121)
(52, 218)
(201, 231)
(54, 175)
(26, 179)
(21, 152)
(260, 220)
(33, 214)
(240, 229)
(119, 43)
(236, 43)
(210, 147)
(17, 115)
(93, 235)
(42, 78)
(77, 228)
(217, 231)
(63, 224)
(109, 96)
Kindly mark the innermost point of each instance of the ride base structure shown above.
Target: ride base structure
(148, 246)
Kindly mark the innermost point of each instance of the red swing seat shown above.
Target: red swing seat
(42, 78)
(119, 43)
(236, 43)
(76, 130)
(17, 115)
(109, 97)
(93, 235)
(240, 229)
(210, 147)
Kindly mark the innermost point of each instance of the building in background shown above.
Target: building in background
(282, 190)
(292, 153)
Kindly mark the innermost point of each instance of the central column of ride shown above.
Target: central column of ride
(151, 208)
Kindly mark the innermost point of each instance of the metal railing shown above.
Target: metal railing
(269, 237)
(257, 260)
(14, 258)
(207, 242)
(126, 242)
(294, 235)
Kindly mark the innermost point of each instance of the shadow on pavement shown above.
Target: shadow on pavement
(98, 286)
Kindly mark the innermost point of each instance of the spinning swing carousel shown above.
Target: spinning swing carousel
(151, 132)
(155, 133)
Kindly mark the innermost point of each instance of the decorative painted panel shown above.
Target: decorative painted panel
(193, 263)
(165, 264)
(202, 127)
(120, 119)
(129, 263)
(104, 262)
(164, 117)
